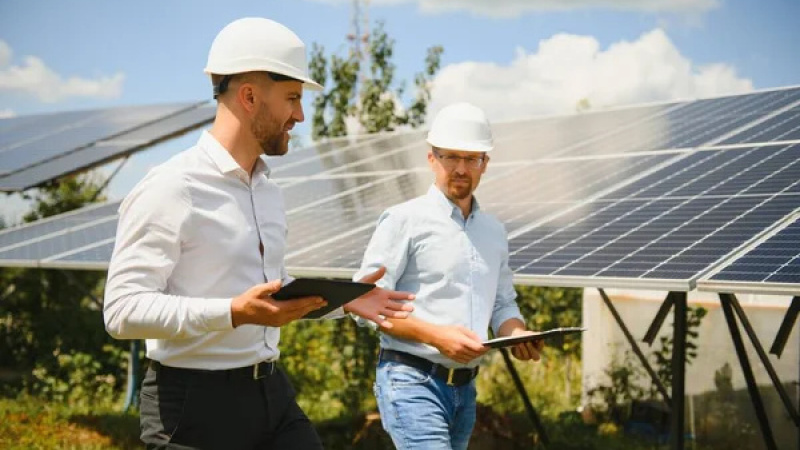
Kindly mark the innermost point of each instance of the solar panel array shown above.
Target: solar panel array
(650, 197)
(770, 265)
(39, 148)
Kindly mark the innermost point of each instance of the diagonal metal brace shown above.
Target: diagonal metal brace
(636, 350)
(786, 328)
(776, 382)
(658, 320)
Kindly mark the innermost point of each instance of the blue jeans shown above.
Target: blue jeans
(422, 412)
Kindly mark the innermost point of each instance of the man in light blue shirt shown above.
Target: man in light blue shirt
(454, 257)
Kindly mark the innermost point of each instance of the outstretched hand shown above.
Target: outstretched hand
(380, 304)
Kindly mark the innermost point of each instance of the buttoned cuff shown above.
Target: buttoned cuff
(337, 313)
(217, 314)
(362, 322)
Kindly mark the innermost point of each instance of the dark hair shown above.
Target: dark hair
(221, 82)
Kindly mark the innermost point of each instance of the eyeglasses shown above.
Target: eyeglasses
(450, 162)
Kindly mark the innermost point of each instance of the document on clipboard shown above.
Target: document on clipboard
(536, 336)
(335, 292)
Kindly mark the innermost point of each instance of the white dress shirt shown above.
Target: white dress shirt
(457, 268)
(187, 244)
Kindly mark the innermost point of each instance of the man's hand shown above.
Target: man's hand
(526, 350)
(256, 306)
(458, 343)
(379, 304)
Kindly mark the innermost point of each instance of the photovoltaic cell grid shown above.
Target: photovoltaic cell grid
(670, 226)
(607, 196)
(772, 265)
(39, 148)
(689, 125)
(79, 239)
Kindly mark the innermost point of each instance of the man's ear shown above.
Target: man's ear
(246, 96)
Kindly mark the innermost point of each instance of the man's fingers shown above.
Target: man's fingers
(472, 335)
(379, 319)
(400, 295)
(395, 314)
(301, 303)
(374, 276)
(266, 289)
(398, 306)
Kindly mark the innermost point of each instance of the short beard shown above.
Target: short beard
(269, 133)
(460, 193)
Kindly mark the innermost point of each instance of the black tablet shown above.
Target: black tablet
(335, 292)
(536, 336)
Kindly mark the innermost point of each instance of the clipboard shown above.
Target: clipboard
(335, 292)
(537, 336)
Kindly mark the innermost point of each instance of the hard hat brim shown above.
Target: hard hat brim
(308, 83)
(462, 146)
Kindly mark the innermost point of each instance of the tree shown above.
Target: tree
(47, 314)
(376, 107)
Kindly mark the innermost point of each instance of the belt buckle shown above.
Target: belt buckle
(257, 375)
(450, 373)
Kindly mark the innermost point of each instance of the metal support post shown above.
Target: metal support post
(752, 388)
(678, 372)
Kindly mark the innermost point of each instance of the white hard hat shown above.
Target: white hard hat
(256, 44)
(461, 126)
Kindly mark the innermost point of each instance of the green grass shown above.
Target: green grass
(30, 423)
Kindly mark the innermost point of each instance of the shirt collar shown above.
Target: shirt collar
(223, 159)
(447, 206)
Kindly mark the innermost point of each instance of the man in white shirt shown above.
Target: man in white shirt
(200, 249)
(454, 257)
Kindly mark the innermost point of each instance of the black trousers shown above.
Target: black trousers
(198, 409)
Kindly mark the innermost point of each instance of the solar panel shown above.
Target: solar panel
(781, 127)
(56, 225)
(692, 124)
(91, 257)
(645, 197)
(666, 229)
(15, 131)
(769, 266)
(55, 244)
(80, 140)
(394, 152)
(317, 158)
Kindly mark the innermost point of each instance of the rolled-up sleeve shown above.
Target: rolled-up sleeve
(505, 305)
(147, 249)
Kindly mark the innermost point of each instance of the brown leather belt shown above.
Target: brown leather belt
(453, 377)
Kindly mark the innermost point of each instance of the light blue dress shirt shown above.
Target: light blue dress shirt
(457, 268)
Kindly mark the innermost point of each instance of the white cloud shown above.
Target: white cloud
(513, 8)
(567, 69)
(34, 77)
(7, 113)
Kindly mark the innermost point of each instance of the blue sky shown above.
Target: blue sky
(516, 58)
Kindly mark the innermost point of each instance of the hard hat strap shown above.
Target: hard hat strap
(220, 88)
